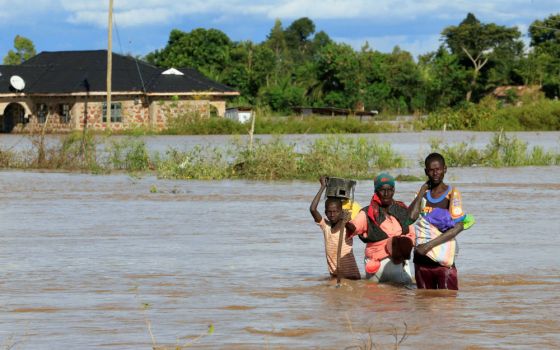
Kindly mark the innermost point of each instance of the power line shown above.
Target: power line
(545, 27)
(134, 58)
(117, 32)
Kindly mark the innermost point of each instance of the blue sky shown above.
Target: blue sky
(142, 26)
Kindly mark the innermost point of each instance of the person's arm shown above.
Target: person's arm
(446, 236)
(414, 208)
(313, 208)
(356, 226)
(350, 229)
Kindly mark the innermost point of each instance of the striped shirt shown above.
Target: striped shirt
(348, 267)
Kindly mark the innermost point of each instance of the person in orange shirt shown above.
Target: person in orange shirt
(380, 225)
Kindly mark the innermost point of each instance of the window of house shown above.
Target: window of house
(42, 112)
(64, 112)
(116, 115)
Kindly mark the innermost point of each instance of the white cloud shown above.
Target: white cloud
(146, 12)
(14, 12)
(127, 18)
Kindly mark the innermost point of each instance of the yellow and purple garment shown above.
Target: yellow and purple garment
(432, 225)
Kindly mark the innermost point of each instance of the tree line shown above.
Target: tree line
(298, 66)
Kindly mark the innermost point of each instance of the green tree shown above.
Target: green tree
(544, 61)
(250, 68)
(545, 35)
(23, 50)
(206, 50)
(276, 41)
(339, 69)
(476, 44)
(404, 80)
(320, 40)
(445, 79)
(298, 38)
(375, 90)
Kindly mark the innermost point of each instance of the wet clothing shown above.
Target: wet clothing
(348, 267)
(390, 272)
(376, 217)
(376, 246)
(439, 277)
(429, 273)
(443, 254)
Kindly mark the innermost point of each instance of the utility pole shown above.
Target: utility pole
(109, 64)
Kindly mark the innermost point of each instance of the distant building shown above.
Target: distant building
(506, 92)
(239, 114)
(332, 111)
(68, 88)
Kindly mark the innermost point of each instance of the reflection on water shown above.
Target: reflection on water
(86, 261)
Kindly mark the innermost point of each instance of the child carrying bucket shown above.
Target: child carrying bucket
(334, 226)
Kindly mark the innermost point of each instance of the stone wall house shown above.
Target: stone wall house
(66, 90)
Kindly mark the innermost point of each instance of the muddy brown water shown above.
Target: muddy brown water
(87, 262)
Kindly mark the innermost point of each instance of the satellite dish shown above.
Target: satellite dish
(17, 82)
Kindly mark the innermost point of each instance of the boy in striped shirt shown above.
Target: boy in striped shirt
(332, 227)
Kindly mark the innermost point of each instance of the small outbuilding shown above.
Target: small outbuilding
(240, 114)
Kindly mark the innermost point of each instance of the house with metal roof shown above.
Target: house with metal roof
(66, 90)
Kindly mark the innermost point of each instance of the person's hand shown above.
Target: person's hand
(425, 186)
(350, 230)
(423, 248)
(323, 180)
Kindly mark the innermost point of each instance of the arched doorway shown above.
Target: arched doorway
(13, 114)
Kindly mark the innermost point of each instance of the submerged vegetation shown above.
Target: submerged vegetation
(502, 151)
(277, 159)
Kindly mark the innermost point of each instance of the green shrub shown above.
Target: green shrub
(456, 155)
(502, 151)
(195, 124)
(267, 161)
(348, 157)
(202, 163)
(129, 153)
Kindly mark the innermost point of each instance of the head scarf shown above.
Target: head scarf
(380, 180)
(383, 179)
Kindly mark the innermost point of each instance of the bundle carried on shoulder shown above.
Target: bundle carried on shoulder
(433, 225)
(443, 253)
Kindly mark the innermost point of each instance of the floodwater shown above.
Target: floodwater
(99, 262)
